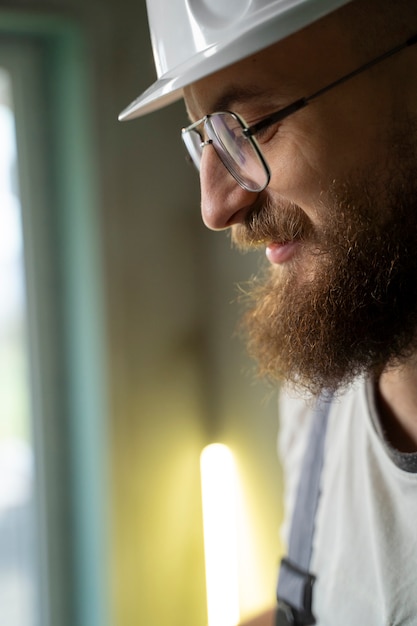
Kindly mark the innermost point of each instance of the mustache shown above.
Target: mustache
(271, 221)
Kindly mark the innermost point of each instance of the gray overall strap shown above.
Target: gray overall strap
(295, 582)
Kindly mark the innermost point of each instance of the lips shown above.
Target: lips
(278, 253)
(278, 228)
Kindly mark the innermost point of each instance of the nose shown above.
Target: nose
(223, 201)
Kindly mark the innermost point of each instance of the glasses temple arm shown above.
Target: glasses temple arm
(302, 102)
(410, 42)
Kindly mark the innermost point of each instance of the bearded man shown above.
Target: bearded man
(304, 130)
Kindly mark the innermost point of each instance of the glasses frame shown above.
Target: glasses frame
(278, 116)
(248, 135)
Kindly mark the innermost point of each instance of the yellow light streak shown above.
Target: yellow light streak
(218, 479)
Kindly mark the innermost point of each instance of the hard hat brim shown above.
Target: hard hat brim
(269, 30)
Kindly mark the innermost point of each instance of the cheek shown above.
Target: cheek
(307, 160)
(301, 169)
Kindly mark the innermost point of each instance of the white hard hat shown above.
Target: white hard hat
(194, 38)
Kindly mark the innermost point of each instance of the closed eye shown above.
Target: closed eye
(263, 135)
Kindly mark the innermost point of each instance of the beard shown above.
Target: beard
(346, 305)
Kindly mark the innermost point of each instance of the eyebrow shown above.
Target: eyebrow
(234, 95)
(231, 96)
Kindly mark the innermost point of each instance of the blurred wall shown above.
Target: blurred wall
(178, 377)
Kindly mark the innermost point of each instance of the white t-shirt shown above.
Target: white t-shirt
(365, 542)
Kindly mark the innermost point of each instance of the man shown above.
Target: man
(317, 164)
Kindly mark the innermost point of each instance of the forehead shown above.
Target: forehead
(289, 68)
(243, 82)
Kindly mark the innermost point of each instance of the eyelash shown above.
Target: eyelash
(264, 132)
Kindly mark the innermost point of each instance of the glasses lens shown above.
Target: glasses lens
(237, 152)
(192, 141)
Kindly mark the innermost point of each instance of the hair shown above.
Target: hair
(378, 24)
(374, 27)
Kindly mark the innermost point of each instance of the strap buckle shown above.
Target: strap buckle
(294, 593)
(284, 615)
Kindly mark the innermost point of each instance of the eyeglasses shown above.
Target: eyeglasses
(235, 142)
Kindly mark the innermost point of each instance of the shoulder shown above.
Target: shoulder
(294, 421)
(296, 413)
(295, 416)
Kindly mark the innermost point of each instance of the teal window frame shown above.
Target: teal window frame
(65, 301)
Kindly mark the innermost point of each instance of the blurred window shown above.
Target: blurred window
(17, 519)
(53, 481)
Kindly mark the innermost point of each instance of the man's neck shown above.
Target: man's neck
(397, 406)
